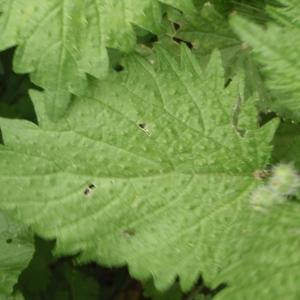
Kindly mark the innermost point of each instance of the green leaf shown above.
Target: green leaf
(273, 49)
(35, 279)
(82, 287)
(173, 293)
(16, 250)
(16, 296)
(208, 30)
(201, 297)
(60, 42)
(287, 137)
(187, 7)
(151, 169)
(269, 265)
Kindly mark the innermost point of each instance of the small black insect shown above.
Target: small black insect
(89, 189)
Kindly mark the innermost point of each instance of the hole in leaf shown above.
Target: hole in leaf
(89, 189)
(179, 41)
(176, 26)
(119, 68)
(146, 38)
(142, 125)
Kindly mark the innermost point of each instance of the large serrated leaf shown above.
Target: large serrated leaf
(59, 42)
(151, 169)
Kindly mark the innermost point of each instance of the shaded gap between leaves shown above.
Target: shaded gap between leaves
(45, 274)
(14, 98)
(201, 289)
(265, 117)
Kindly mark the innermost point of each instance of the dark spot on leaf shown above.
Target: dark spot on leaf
(226, 84)
(147, 39)
(129, 232)
(9, 241)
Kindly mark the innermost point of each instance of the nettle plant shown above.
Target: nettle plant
(161, 137)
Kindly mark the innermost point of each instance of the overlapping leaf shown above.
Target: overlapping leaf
(16, 250)
(287, 137)
(209, 29)
(59, 42)
(151, 169)
(273, 48)
(269, 265)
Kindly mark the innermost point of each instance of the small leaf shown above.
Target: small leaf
(16, 250)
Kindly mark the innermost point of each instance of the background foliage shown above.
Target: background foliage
(139, 140)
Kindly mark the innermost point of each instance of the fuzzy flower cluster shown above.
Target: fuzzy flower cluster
(284, 182)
